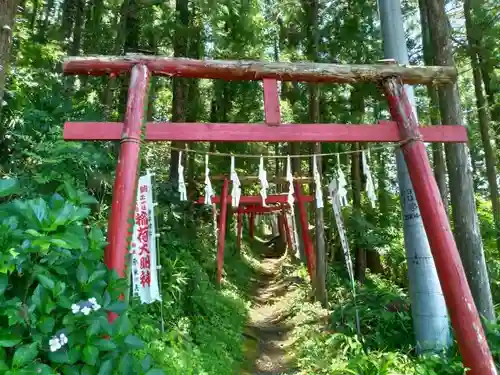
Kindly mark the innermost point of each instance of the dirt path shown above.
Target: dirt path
(268, 323)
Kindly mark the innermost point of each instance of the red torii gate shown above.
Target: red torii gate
(404, 129)
(252, 205)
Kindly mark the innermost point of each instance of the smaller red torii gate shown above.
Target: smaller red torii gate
(252, 205)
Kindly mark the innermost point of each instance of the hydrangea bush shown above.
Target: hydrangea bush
(56, 293)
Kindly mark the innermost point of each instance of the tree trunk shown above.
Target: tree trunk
(112, 82)
(77, 32)
(7, 16)
(179, 85)
(483, 117)
(467, 233)
(437, 148)
(312, 35)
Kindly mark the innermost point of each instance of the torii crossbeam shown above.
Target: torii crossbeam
(403, 128)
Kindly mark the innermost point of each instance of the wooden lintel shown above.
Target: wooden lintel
(258, 70)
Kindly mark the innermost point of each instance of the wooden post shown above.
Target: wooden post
(306, 237)
(125, 186)
(288, 233)
(251, 225)
(461, 307)
(222, 230)
(239, 228)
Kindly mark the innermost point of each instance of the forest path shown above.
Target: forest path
(268, 322)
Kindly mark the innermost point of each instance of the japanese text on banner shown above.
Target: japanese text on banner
(143, 247)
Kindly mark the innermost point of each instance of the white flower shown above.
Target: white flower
(93, 301)
(75, 308)
(86, 310)
(96, 307)
(54, 344)
(63, 339)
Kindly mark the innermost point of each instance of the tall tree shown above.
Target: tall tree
(179, 85)
(311, 8)
(465, 219)
(483, 115)
(7, 15)
(437, 148)
(357, 113)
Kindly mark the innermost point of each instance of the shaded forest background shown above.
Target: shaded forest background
(37, 34)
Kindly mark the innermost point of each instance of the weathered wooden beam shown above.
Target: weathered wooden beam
(258, 70)
(385, 131)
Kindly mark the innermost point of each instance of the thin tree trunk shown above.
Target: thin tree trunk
(437, 148)
(465, 219)
(7, 15)
(179, 85)
(77, 32)
(312, 34)
(112, 84)
(483, 116)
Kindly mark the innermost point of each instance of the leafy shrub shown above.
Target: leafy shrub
(56, 293)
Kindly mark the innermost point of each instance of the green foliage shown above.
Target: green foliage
(53, 283)
(203, 323)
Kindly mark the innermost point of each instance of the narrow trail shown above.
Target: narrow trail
(269, 322)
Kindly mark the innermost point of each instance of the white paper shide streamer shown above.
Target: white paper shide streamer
(333, 189)
(341, 185)
(317, 183)
(370, 188)
(209, 192)
(236, 185)
(143, 245)
(181, 182)
(264, 185)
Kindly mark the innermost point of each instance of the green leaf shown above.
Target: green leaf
(70, 190)
(125, 366)
(94, 327)
(105, 345)
(82, 274)
(3, 367)
(46, 281)
(9, 186)
(66, 357)
(155, 371)
(146, 363)
(124, 325)
(8, 340)
(71, 370)
(134, 342)
(97, 275)
(4, 283)
(106, 368)
(40, 369)
(61, 356)
(49, 305)
(90, 355)
(64, 302)
(96, 235)
(88, 370)
(46, 324)
(117, 307)
(24, 355)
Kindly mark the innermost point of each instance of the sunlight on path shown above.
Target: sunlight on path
(269, 324)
